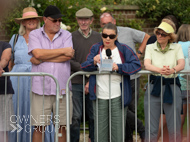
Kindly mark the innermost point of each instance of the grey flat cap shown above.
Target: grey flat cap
(84, 13)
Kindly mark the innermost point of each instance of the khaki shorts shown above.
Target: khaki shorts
(40, 119)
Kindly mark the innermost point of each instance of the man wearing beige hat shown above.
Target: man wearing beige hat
(52, 48)
(83, 39)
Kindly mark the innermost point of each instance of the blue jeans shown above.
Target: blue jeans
(77, 90)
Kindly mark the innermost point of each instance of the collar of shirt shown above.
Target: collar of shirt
(90, 32)
(55, 36)
(160, 49)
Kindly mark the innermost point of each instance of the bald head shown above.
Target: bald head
(106, 18)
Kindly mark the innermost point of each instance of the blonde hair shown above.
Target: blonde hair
(183, 33)
(22, 29)
(173, 36)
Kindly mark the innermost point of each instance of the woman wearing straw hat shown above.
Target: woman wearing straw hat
(165, 58)
(29, 21)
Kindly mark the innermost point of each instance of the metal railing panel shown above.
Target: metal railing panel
(57, 98)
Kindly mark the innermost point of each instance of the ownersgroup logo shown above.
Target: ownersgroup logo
(19, 123)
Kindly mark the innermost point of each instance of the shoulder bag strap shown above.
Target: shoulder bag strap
(15, 40)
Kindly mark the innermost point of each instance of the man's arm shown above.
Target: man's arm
(143, 45)
(57, 59)
(49, 54)
(6, 56)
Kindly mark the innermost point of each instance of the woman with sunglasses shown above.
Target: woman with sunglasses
(165, 58)
(125, 62)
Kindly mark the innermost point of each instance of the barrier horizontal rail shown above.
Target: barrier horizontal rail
(142, 72)
(57, 92)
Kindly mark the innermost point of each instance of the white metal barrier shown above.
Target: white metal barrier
(148, 73)
(57, 99)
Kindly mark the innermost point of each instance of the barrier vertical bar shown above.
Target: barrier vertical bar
(5, 108)
(96, 113)
(57, 111)
(30, 108)
(43, 111)
(67, 112)
(175, 109)
(136, 108)
(110, 106)
(18, 109)
(161, 108)
(83, 106)
(149, 107)
(123, 110)
(187, 108)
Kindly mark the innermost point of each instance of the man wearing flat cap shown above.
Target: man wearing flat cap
(83, 39)
(51, 48)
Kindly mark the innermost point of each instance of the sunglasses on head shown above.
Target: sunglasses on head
(162, 34)
(110, 36)
(55, 20)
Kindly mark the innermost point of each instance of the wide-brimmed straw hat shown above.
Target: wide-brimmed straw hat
(29, 12)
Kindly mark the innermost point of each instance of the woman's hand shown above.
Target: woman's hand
(115, 67)
(1, 70)
(97, 59)
(35, 61)
(87, 88)
(166, 70)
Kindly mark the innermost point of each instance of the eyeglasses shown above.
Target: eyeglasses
(55, 20)
(110, 36)
(163, 35)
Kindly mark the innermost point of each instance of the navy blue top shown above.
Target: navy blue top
(3, 46)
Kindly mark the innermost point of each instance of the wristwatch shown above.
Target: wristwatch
(139, 52)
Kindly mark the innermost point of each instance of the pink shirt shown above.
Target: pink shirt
(38, 39)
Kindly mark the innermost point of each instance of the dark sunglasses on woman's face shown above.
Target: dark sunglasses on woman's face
(55, 20)
(112, 36)
(162, 34)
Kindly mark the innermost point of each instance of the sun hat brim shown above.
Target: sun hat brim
(165, 27)
(18, 20)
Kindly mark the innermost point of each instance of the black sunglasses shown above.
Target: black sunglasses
(55, 20)
(110, 36)
(163, 35)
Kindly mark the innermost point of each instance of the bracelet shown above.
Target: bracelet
(174, 70)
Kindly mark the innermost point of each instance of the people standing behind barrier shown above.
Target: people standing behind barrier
(6, 105)
(165, 58)
(183, 38)
(83, 39)
(126, 63)
(51, 48)
(21, 61)
(130, 37)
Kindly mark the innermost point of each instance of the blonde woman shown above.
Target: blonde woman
(29, 21)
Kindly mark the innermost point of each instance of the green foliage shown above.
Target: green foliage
(8, 24)
(67, 7)
(157, 9)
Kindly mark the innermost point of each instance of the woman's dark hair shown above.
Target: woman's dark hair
(111, 27)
